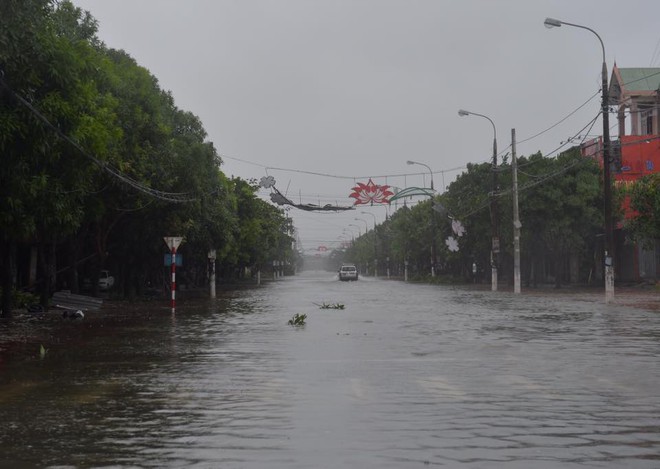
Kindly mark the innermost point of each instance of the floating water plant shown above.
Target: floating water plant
(330, 306)
(297, 320)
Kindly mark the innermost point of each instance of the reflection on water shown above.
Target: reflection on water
(405, 376)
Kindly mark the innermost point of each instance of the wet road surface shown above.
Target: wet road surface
(406, 375)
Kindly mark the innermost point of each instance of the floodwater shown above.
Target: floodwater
(406, 375)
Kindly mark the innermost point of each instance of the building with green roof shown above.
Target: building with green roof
(636, 92)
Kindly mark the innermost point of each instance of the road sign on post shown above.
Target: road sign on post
(173, 243)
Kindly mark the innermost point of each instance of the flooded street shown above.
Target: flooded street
(407, 375)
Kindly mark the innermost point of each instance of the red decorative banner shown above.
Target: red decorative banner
(371, 193)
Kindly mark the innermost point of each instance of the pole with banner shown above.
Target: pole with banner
(173, 243)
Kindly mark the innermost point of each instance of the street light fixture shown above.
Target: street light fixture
(366, 226)
(434, 258)
(495, 248)
(356, 226)
(371, 214)
(607, 178)
(427, 166)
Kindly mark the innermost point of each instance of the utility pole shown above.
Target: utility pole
(434, 255)
(516, 216)
(607, 193)
(494, 216)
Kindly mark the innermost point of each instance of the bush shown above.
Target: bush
(22, 299)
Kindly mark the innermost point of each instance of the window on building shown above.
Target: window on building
(645, 120)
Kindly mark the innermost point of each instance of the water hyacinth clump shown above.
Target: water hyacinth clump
(297, 320)
(330, 306)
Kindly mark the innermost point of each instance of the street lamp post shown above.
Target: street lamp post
(350, 233)
(366, 228)
(434, 259)
(607, 182)
(495, 248)
(375, 247)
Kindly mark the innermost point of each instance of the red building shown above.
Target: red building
(636, 153)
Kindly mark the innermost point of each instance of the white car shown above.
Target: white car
(106, 281)
(348, 272)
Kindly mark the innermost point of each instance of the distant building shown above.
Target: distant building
(636, 153)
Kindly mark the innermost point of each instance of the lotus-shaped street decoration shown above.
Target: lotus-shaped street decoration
(371, 193)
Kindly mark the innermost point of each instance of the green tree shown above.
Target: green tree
(263, 232)
(99, 163)
(468, 201)
(46, 94)
(645, 201)
(560, 210)
(560, 200)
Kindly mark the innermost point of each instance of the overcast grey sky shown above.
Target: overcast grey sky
(353, 88)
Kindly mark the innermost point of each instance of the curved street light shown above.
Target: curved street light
(607, 177)
(371, 214)
(366, 227)
(495, 248)
(422, 164)
(358, 228)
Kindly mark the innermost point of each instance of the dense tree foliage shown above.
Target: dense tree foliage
(99, 164)
(645, 201)
(560, 203)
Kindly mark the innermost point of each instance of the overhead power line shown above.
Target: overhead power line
(541, 178)
(177, 197)
(597, 93)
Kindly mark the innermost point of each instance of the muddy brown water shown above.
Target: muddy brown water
(406, 375)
